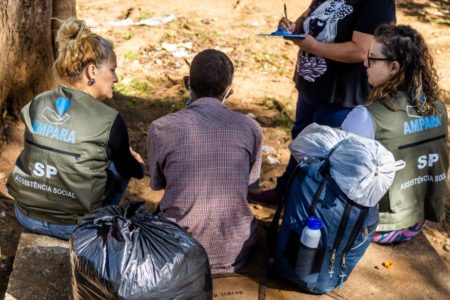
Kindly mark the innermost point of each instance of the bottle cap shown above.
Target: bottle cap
(314, 223)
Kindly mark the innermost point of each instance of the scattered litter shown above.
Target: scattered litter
(3, 214)
(266, 148)
(178, 50)
(257, 23)
(158, 21)
(251, 115)
(45, 272)
(272, 160)
(388, 264)
(128, 22)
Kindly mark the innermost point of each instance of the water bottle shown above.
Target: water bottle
(309, 242)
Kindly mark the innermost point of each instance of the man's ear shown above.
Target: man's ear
(187, 82)
(395, 68)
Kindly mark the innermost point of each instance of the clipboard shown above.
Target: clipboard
(281, 32)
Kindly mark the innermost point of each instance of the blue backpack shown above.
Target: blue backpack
(347, 231)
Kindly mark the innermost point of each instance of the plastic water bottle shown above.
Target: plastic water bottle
(309, 242)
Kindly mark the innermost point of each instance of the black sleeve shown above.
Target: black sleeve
(371, 14)
(119, 153)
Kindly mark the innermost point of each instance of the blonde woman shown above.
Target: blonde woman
(76, 155)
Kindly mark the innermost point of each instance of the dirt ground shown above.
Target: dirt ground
(153, 59)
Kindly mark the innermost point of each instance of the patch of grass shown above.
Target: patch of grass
(143, 14)
(284, 122)
(131, 55)
(128, 36)
(270, 103)
(139, 88)
(273, 62)
(169, 106)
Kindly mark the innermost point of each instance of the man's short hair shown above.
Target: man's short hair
(211, 73)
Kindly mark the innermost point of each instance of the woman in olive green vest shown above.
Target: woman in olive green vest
(76, 155)
(405, 114)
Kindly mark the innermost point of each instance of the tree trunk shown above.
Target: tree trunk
(27, 49)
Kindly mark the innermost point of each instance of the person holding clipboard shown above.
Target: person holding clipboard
(329, 74)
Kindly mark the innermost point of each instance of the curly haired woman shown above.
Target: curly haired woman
(406, 115)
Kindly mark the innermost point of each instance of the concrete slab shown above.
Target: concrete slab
(418, 272)
(41, 269)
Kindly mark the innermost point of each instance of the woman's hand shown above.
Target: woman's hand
(137, 156)
(308, 44)
(287, 25)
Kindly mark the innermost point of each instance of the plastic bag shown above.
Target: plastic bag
(130, 253)
(362, 168)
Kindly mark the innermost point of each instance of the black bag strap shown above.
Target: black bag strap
(273, 233)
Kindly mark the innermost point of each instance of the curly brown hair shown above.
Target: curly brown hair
(405, 45)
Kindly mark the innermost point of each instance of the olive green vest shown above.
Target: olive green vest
(420, 189)
(61, 173)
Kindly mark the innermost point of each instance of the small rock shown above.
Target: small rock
(447, 247)
(266, 148)
(272, 160)
(251, 115)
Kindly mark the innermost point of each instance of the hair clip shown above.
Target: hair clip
(422, 98)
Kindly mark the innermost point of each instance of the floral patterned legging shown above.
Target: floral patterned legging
(396, 236)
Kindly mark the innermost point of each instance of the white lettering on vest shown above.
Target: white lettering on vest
(422, 124)
(427, 160)
(40, 170)
(54, 132)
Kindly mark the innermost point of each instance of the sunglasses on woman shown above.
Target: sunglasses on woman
(372, 58)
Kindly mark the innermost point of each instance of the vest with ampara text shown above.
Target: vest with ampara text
(61, 173)
(420, 189)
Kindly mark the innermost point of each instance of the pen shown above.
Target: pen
(285, 11)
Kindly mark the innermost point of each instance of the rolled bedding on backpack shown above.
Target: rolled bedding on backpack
(362, 168)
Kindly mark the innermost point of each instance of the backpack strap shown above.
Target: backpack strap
(273, 233)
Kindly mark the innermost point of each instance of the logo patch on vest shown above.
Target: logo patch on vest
(62, 105)
(54, 132)
(420, 123)
(50, 128)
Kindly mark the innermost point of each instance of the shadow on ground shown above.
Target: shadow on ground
(427, 11)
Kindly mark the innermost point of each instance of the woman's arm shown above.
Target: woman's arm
(118, 151)
(359, 122)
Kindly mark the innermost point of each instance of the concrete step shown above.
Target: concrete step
(41, 269)
(418, 272)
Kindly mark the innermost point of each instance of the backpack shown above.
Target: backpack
(340, 179)
(347, 229)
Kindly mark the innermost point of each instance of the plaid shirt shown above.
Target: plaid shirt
(205, 156)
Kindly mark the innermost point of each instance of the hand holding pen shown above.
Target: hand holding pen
(285, 23)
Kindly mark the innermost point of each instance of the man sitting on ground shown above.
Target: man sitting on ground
(204, 157)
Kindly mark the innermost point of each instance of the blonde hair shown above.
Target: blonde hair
(78, 47)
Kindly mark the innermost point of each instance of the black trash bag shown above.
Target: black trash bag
(130, 253)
